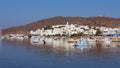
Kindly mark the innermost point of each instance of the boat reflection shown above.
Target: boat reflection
(62, 44)
(62, 47)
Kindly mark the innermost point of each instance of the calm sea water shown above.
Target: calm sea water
(21, 54)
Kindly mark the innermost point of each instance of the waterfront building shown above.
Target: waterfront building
(69, 29)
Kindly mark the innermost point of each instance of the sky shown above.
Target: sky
(21, 12)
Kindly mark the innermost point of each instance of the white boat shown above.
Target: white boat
(1, 37)
(19, 36)
(37, 40)
(107, 42)
(56, 38)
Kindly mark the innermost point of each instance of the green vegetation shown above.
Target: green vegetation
(98, 32)
(57, 35)
(89, 27)
(61, 26)
(47, 27)
(77, 34)
(64, 35)
(76, 26)
(83, 29)
(94, 28)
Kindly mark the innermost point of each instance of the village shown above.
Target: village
(70, 31)
(84, 36)
(74, 29)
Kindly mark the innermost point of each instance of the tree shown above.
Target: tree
(98, 32)
(77, 34)
(57, 35)
(47, 27)
(64, 35)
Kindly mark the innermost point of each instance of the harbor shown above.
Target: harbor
(24, 54)
(68, 45)
(59, 34)
(73, 35)
(81, 43)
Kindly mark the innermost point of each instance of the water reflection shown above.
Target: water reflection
(59, 52)
(61, 46)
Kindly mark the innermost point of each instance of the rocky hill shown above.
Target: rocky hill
(92, 21)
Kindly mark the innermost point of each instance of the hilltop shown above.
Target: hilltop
(92, 21)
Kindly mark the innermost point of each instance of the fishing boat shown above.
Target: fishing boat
(72, 41)
(82, 43)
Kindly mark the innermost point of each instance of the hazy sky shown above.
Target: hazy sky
(20, 12)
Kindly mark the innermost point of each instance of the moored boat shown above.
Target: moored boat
(37, 40)
(72, 41)
(107, 42)
(82, 43)
(1, 37)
